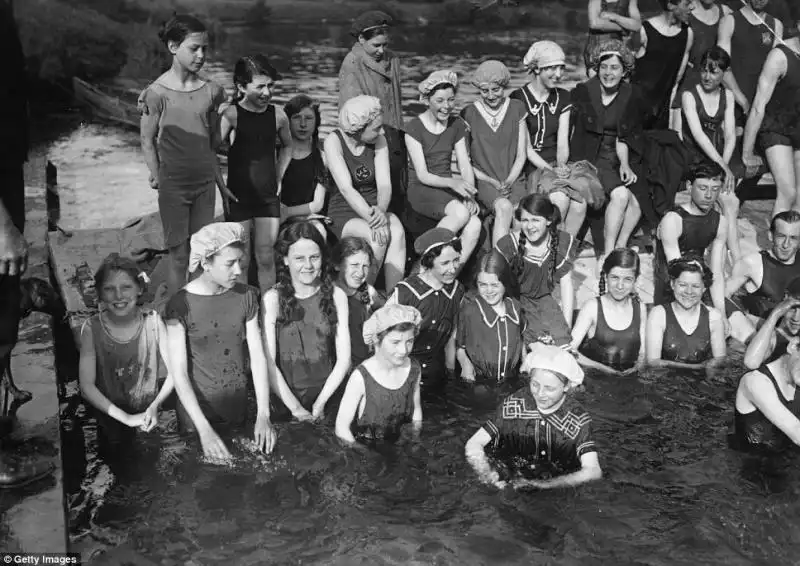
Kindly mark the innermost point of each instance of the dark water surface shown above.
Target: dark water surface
(673, 492)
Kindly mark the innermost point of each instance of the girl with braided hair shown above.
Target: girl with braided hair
(301, 323)
(609, 331)
(540, 256)
(352, 260)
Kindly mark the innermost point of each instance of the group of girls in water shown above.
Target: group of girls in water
(317, 338)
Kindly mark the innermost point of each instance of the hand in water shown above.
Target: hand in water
(302, 415)
(318, 411)
(264, 434)
(150, 418)
(522, 484)
(214, 449)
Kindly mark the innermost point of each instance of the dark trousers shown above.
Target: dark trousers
(12, 195)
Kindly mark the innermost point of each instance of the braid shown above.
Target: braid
(363, 294)
(601, 283)
(288, 309)
(326, 302)
(553, 254)
(518, 261)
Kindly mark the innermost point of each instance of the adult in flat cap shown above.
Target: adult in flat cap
(358, 159)
(548, 113)
(371, 68)
(498, 145)
(209, 324)
(436, 294)
(383, 392)
(432, 138)
(541, 437)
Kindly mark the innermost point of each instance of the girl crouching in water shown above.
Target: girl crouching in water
(383, 393)
(122, 355)
(489, 332)
(539, 430)
(352, 260)
(305, 318)
(209, 322)
(609, 332)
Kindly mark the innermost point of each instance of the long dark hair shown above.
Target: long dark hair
(288, 308)
(250, 66)
(625, 258)
(296, 105)
(538, 205)
(494, 262)
(346, 247)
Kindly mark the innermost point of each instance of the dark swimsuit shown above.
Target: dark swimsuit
(386, 410)
(618, 349)
(754, 429)
(677, 346)
(776, 277)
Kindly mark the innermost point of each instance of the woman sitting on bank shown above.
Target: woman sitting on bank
(358, 160)
(209, 322)
(303, 189)
(767, 403)
(352, 260)
(596, 336)
(498, 141)
(539, 431)
(685, 333)
(431, 139)
(383, 393)
(305, 326)
(606, 116)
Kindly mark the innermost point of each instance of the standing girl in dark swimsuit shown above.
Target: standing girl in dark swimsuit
(609, 19)
(685, 333)
(303, 188)
(251, 125)
(352, 260)
(596, 336)
(665, 43)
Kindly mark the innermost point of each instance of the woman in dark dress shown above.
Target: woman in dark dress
(607, 126)
(665, 42)
(303, 194)
(305, 325)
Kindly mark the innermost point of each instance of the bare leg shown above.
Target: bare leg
(265, 233)
(179, 264)
(503, 216)
(781, 162)
(632, 215)
(729, 203)
(247, 226)
(395, 265)
(456, 216)
(615, 215)
(469, 238)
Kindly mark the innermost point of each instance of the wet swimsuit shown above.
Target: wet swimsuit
(386, 410)
(617, 349)
(754, 429)
(750, 45)
(677, 346)
(362, 175)
(781, 124)
(776, 277)
(697, 234)
(526, 439)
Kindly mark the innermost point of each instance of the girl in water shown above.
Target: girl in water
(305, 326)
(352, 260)
(685, 333)
(383, 393)
(251, 125)
(179, 135)
(209, 323)
(497, 145)
(489, 332)
(541, 256)
(303, 187)
(540, 436)
(358, 159)
(597, 336)
(122, 354)
(431, 139)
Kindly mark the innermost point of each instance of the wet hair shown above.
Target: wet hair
(296, 105)
(715, 58)
(114, 263)
(346, 247)
(401, 327)
(494, 262)
(690, 264)
(788, 216)
(250, 66)
(705, 169)
(428, 257)
(288, 308)
(374, 32)
(625, 258)
(178, 27)
(538, 205)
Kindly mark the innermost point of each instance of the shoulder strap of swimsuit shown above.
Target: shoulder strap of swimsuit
(764, 370)
(601, 316)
